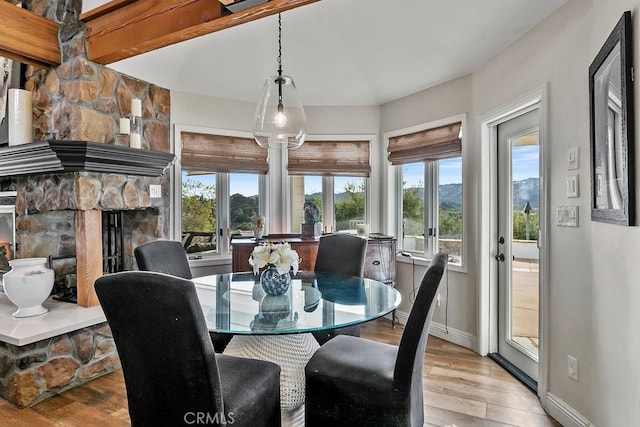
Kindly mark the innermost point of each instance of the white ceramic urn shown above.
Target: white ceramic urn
(28, 284)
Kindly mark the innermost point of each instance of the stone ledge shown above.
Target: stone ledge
(72, 156)
(61, 318)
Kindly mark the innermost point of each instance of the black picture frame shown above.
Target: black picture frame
(611, 115)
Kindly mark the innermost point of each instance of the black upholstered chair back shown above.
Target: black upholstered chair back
(163, 256)
(414, 336)
(163, 342)
(341, 253)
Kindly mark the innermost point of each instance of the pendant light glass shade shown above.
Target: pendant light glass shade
(279, 117)
(279, 120)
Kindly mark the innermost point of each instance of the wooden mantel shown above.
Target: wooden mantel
(72, 156)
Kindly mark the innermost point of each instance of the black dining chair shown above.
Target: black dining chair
(343, 254)
(352, 381)
(172, 374)
(163, 256)
(170, 257)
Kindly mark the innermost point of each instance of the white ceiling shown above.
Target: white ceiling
(339, 52)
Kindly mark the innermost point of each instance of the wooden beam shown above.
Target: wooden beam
(88, 255)
(143, 26)
(27, 37)
(104, 9)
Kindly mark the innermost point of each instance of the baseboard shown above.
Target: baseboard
(455, 336)
(563, 413)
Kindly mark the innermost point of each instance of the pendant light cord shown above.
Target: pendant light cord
(279, 45)
(280, 106)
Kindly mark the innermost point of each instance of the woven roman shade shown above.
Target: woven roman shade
(330, 158)
(432, 144)
(202, 152)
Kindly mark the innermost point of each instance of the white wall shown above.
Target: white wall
(594, 274)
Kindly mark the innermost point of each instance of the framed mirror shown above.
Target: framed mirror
(612, 128)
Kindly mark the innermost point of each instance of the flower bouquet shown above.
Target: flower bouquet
(276, 260)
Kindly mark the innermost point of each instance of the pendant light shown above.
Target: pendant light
(279, 118)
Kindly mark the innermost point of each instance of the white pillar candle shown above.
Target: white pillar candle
(134, 141)
(125, 128)
(136, 107)
(20, 117)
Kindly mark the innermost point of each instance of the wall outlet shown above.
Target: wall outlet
(572, 367)
(155, 191)
(438, 300)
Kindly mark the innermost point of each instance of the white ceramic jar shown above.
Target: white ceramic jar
(28, 284)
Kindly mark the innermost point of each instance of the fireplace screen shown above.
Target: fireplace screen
(112, 241)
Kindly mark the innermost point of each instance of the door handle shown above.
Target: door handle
(500, 257)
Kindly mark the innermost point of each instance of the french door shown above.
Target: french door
(518, 207)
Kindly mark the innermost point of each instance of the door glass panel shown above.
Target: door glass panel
(524, 293)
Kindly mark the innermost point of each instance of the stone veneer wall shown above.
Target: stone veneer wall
(33, 372)
(81, 100)
(46, 207)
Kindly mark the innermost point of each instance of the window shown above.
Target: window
(450, 208)
(344, 209)
(430, 176)
(243, 203)
(220, 189)
(305, 189)
(198, 208)
(349, 202)
(333, 175)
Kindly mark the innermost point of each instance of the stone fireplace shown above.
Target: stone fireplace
(60, 203)
(51, 208)
(59, 211)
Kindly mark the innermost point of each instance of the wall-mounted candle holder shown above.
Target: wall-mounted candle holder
(135, 138)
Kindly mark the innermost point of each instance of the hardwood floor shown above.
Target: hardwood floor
(460, 388)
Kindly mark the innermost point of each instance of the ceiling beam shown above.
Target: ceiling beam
(139, 26)
(27, 37)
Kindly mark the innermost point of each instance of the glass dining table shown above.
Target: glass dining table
(278, 328)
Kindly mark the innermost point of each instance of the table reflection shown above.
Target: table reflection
(235, 303)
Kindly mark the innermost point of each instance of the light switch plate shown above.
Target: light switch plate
(155, 191)
(567, 216)
(573, 158)
(572, 186)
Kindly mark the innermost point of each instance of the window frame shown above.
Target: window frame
(395, 186)
(431, 179)
(328, 187)
(223, 192)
